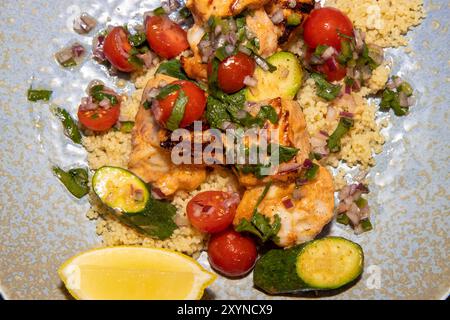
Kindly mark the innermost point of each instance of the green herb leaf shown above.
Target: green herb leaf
(366, 225)
(167, 90)
(69, 63)
(172, 68)
(178, 111)
(159, 11)
(75, 180)
(185, 13)
(286, 153)
(98, 95)
(325, 90)
(311, 173)
(126, 126)
(137, 39)
(70, 126)
(155, 221)
(260, 225)
(334, 142)
(343, 219)
(37, 95)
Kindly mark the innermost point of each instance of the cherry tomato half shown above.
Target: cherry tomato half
(194, 108)
(232, 72)
(332, 70)
(165, 37)
(99, 119)
(116, 48)
(323, 26)
(232, 253)
(212, 211)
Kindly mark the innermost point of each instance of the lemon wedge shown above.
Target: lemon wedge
(134, 273)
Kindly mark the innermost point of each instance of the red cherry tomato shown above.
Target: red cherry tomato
(99, 119)
(116, 48)
(194, 108)
(232, 253)
(212, 211)
(165, 37)
(323, 25)
(333, 71)
(232, 72)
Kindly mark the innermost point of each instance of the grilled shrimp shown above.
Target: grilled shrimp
(152, 163)
(308, 216)
(292, 132)
(204, 9)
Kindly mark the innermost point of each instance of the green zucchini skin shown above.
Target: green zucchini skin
(113, 186)
(282, 83)
(277, 271)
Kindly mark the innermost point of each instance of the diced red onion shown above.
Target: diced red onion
(345, 114)
(348, 89)
(288, 204)
(403, 99)
(156, 109)
(332, 63)
(105, 103)
(245, 50)
(250, 81)
(359, 42)
(262, 63)
(78, 50)
(158, 194)
(232, 39)
(277, 17)
(233, 200)
(328, 53)
(331, 114)
(84, 24)
(297, 194)
(411, 101)
(308, 164)
(147, 58)
(98, 53)
(353, 214)
(317, 142)
(87, 104)
(218, 30)
(324, 133)
(229, 49)
(288, 167)
(363, 188)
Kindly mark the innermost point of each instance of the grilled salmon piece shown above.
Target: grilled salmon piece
(152, 163)
(308, 216)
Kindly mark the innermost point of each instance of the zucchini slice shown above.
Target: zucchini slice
(282, 83)
(120, 190)
(324, 264)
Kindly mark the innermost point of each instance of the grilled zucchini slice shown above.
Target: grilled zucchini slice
(324, 264)
(121, 190)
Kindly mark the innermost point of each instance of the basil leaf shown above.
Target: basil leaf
(155, 221)
(286, 154)
(216, 113)
(37, 95)
(70, 126)
(75, 180)
(325, 90)
(137, 39)
(334, 142)
(172, 68)
(167, 90)
(178, 111)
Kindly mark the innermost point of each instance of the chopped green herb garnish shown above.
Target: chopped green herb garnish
(361, 202)
(178, 111)
(70, 126)
(135, 61)
(346, 52)
(334, 142)
(320, 50)
(126, 126)
(69, 63)
(75, 180)
(221, 54)
(172, 68)
(98, 95)
(185, 13)
(325, 90)
(38, 95)
(159, 11)
(406, 88)
(366, 225)
(311, 173)
(343, 219)
(137, 39)
(260, 225)
(147, 105)
(167, 90)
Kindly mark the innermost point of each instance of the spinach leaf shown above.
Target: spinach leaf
(155, 221)
(75, 180)
(172, 68)
(70, 126)
(325, 90)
